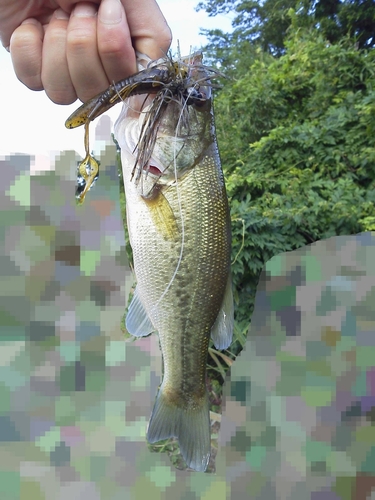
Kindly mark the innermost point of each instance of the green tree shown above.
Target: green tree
(266, 23)
(296, 140)
(350, 17)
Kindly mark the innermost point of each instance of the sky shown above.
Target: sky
(31, 123)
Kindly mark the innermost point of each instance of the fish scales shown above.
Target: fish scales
(179, 230)
(204, 268)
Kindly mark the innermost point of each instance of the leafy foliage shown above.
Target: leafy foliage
(266, 23)
(296, 139)
(350, 17)
(263, 23)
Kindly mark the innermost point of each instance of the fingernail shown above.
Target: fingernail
(110, 11)
(61, 14)
(7, 48)
(30, 20)
(85, 10)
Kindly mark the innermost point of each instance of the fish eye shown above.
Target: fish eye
(195, 96)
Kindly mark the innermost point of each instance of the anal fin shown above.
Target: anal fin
(222, 329)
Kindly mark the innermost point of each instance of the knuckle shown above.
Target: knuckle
(59, 90)
(111, 47)
(22, 40)
(33, 84)
(61, 96)
(29, 74)
(55, 36)
(165, 37)
(78, 40)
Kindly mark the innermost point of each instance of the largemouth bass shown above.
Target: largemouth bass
(179, 229)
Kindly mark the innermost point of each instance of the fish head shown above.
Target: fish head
(166, 135)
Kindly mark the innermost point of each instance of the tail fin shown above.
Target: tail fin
(191, 427)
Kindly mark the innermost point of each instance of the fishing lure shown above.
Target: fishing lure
(165, 78)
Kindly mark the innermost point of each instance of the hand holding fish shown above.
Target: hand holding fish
(76, 49)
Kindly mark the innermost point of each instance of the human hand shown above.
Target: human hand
(76, 49)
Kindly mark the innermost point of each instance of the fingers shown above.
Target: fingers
(100, 43)
(99, 47)
(55, 73)
(115, 41)
(26, 46)
(85, 66)
(151, 34)
(81, 53)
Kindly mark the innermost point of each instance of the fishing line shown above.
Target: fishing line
(183, 109)
(146, 149)
(179, 207)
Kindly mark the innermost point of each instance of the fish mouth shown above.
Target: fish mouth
(153, 170)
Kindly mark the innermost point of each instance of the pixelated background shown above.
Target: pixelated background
(76, 396)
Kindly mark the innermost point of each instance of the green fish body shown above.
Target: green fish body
(179, 228)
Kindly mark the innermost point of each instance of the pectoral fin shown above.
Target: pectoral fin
(162, 215)
(137, 321)
(222, 330)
